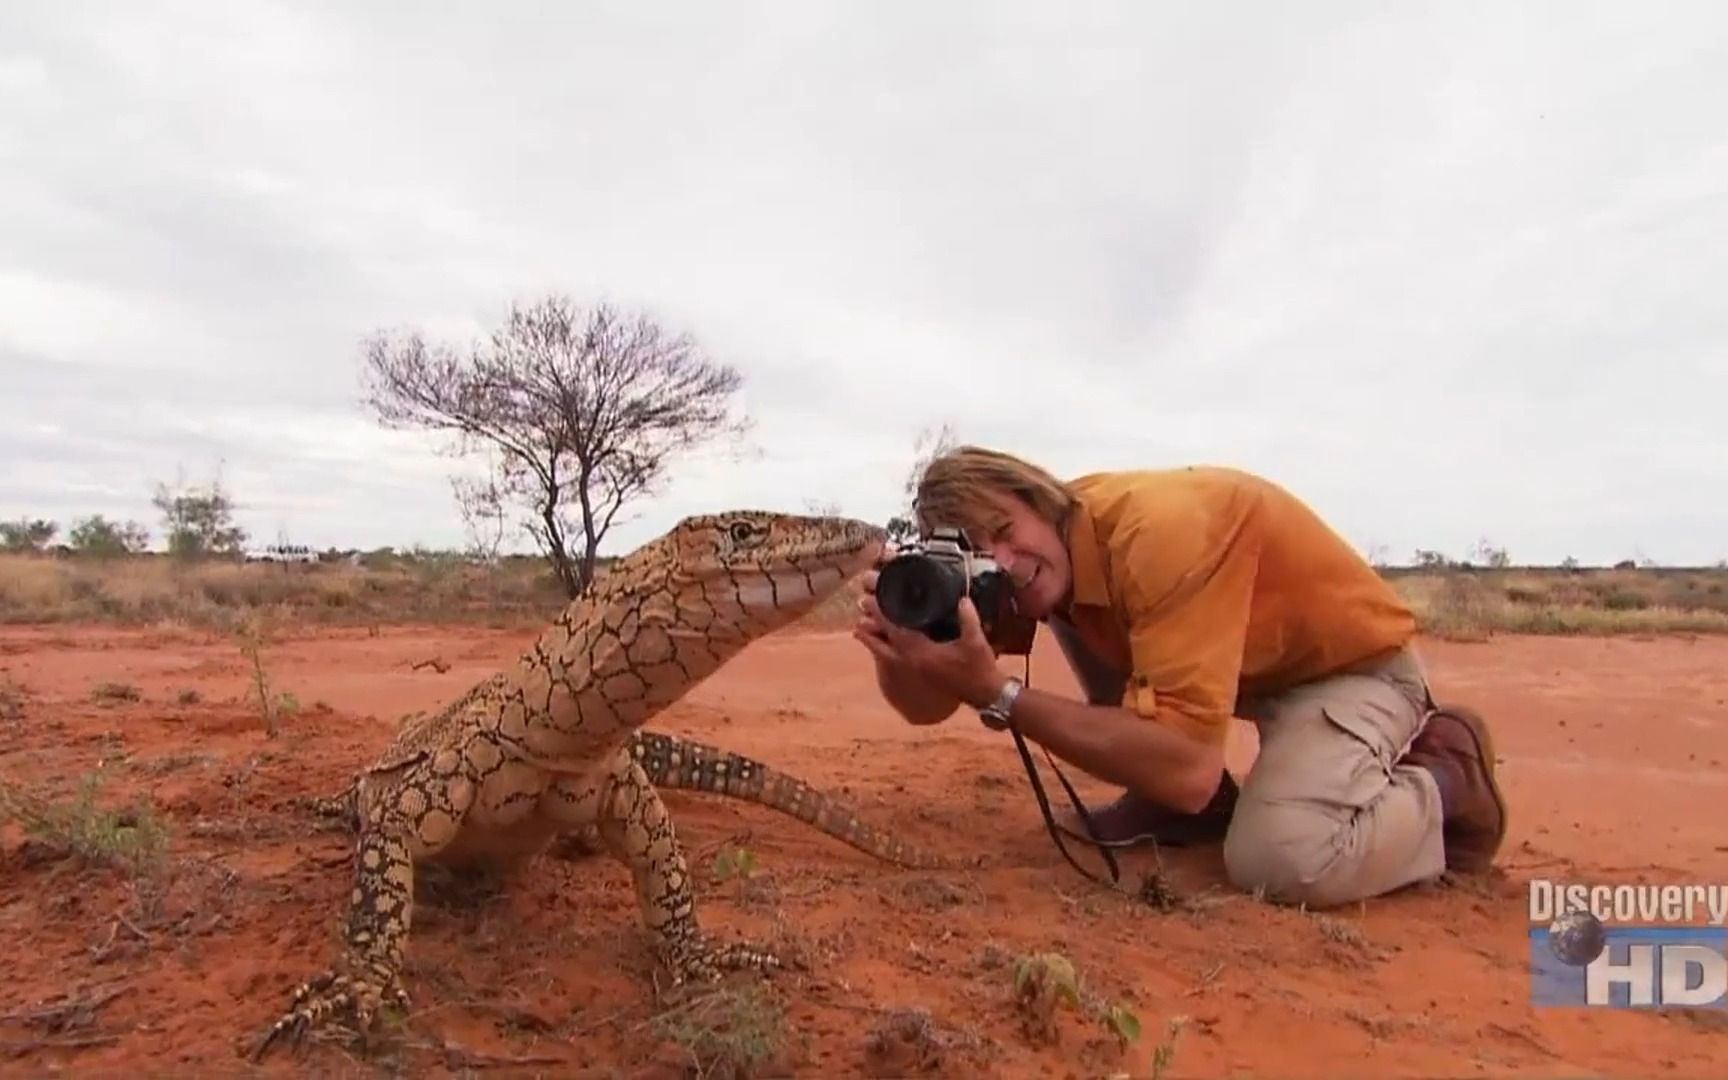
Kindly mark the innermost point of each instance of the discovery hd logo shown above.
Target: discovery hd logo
(1628, 946)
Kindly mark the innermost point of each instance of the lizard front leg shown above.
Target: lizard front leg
(413, 816)
(637, 830)
(366, 976)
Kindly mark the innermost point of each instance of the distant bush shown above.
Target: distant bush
(1473, 604)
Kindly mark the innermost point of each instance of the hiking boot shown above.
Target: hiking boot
(1134, 819)
(1457, 750)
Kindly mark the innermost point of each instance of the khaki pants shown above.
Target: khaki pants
(1326, 815)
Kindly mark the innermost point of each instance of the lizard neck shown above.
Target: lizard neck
(610, 663)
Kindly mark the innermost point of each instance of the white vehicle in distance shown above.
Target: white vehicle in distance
(283, 553)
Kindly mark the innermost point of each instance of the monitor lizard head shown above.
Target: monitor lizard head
(757, 571)
(737, 575)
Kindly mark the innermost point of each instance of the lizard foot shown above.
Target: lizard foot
(330, 994)
(705, 963)
(333, 812)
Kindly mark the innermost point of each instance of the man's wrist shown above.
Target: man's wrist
(998, 713)
(988, 690)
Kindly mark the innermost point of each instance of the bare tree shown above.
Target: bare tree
(485, 509)
(586, 410)
(1486, 553)
(927, 447)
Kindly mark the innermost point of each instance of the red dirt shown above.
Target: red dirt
(1613, 753)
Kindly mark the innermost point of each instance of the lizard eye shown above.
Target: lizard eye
(742, 532)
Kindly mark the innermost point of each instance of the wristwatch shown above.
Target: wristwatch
(995, 714)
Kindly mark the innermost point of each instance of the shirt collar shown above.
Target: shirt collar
(1085, 561)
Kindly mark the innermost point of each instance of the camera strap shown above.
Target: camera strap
(1073, 797)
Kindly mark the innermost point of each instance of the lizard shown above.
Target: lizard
(542, 748)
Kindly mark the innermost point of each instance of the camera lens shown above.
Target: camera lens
(916, 591)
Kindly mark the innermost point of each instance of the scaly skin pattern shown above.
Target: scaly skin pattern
(542, 748)
(678, 764)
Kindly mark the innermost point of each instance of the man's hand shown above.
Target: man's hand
(964, 668)
(913, 696)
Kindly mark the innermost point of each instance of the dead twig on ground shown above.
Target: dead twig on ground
(64, 1014)
(1207, 979)
(15, 1050)
(457, 1056)
(121, 920)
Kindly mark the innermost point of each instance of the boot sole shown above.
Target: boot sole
(1483, 738)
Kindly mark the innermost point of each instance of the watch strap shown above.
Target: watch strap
(995, 715)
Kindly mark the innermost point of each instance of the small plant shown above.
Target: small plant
(1124, 1023)
(731, 1030)
(732, 863)
(1340, 932)
(132, 838)
(270, 706)
(1042, 984)
(1045, 982)
(752, 889)
(109, 692)
(11, 700)
(908, 1041)
(1165, 1052)
(1155, 891)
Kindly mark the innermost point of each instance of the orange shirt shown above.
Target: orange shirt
(1202, 583)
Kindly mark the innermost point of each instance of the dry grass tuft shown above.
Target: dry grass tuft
(735, 1029)
(222, 595)
(1457, 603)
(1473, 605)
(132, 838)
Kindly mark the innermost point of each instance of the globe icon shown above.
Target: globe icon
(1577, 938)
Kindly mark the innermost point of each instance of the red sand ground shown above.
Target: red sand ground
(1613, 754)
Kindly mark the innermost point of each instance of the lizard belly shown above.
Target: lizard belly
(501, 827)
(498, 848)
(520, 807)
(507, 795)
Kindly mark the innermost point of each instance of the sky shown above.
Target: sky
(1448, 272)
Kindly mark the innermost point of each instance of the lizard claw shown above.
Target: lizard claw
(708, 963)
(333, 812)
(327, 995)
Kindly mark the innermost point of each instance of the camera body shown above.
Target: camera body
(921, 586)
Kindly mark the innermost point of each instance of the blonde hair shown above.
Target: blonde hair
(955, 488)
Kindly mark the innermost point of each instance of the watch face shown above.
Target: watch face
(996, 713)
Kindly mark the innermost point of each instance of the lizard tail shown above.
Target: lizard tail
(677, 764)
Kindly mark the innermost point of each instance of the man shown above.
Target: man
(1183, 597)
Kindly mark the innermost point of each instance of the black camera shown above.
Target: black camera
(921, 586)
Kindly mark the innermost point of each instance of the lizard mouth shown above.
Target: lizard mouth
(863, 540)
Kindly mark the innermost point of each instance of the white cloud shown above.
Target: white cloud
(1447, 273)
